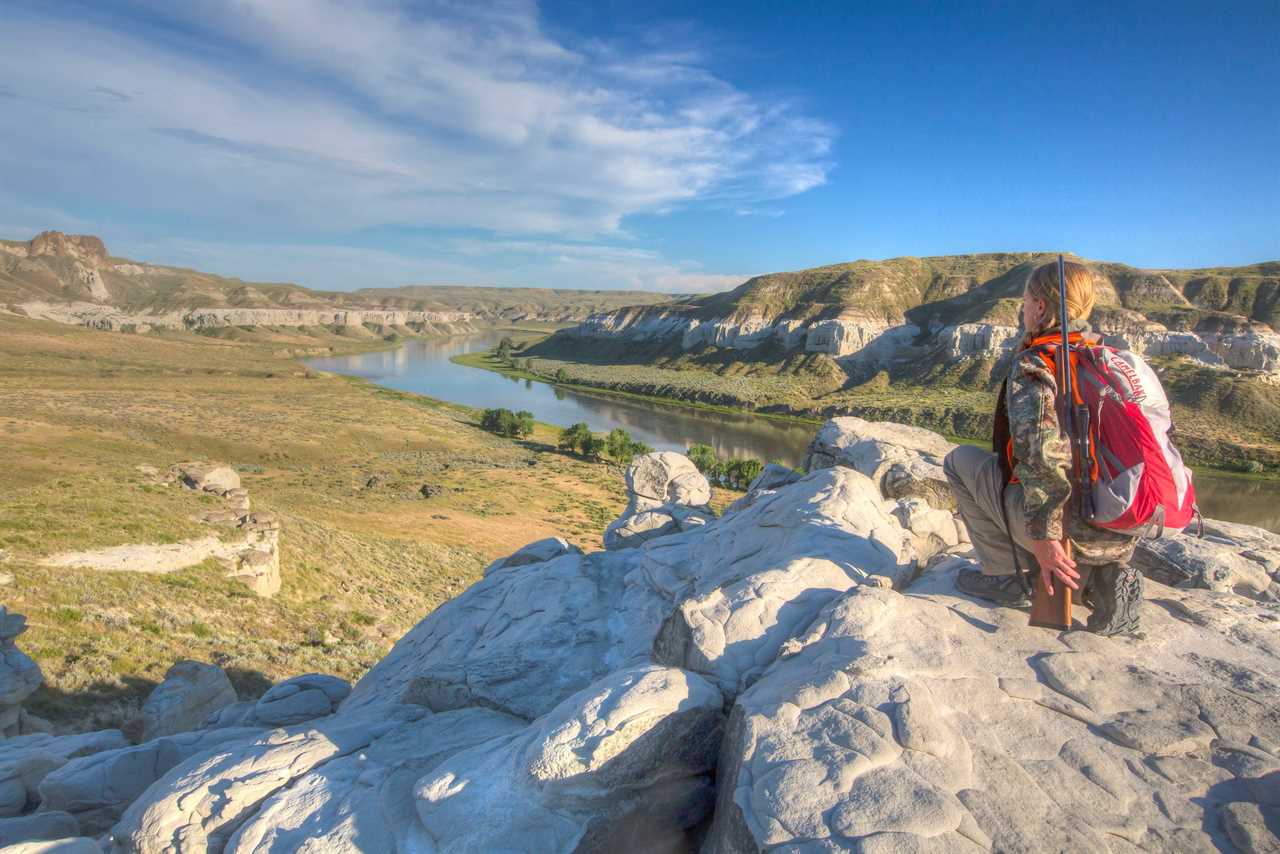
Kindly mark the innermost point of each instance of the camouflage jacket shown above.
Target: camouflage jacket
(1042, 464)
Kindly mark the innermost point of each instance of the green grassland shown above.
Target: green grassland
(363, 555)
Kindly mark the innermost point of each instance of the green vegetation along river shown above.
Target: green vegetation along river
(423, 366)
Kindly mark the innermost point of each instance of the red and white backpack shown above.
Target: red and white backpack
(1139, 482)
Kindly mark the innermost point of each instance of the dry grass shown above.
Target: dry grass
(364, 555)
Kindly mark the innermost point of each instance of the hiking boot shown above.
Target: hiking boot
(1114, 592)
(1001, 589)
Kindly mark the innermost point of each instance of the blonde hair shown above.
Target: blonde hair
(1081, 294)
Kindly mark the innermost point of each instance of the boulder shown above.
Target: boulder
(774, 476)
(932, 531)
(364, 801)
(190, 693)
(258, 569)
(26, 760)
(622, 765)
(97, 788)
(747, 583)
(668, 477)
(931, 721)
(299, 699)
(36, 827)
(19, 674)
(539, 551)
(70, 845)
(208, 477)
(520, 641)
(1211, 563)
(666, 494)
(201, 802)
(634, 528)
(904, 461)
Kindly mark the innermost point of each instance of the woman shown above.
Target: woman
(1018, 496)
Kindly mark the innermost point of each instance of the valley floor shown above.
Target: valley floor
(341, 462)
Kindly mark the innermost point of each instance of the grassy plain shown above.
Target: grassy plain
(364, 556)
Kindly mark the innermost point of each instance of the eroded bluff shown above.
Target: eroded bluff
(797, 675)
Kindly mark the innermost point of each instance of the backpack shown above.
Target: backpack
(1137, 480)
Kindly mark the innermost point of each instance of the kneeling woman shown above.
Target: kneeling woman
(1017, 499)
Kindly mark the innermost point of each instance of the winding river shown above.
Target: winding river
(422, 366)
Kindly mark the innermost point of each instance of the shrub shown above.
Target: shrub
(561, 375)
(703, 457)
(623, 448)
(524, 423)
(592, 447)
(571, 437)
(504, 422)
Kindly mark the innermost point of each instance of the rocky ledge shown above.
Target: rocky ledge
(798, 674)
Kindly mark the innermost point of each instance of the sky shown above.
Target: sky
(663, 146)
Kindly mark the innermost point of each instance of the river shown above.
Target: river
(422, 366)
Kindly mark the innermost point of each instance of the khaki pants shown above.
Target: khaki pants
(979, 490)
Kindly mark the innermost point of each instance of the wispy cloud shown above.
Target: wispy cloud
(317, 118)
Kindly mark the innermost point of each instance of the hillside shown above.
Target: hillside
(925, 340)
(73, 278)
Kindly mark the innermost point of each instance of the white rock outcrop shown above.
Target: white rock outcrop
(253, 558)
(19, 674)
(298, 699)
(793, 676)
(27, 759)
(96, 789)
(666, 493)
(190, 693)
(904, 461)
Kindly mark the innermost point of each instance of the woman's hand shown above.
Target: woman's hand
(1053, 560)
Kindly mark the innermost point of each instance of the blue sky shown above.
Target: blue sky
(668, 146)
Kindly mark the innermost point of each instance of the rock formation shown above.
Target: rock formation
(794, 675)
(253, 558)
(19, 677)
(874, 315)
(666, 493)
(190, 693)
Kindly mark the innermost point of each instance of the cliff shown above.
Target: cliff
(906, 312)
(74, 279)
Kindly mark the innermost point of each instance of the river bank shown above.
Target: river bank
(960, 414)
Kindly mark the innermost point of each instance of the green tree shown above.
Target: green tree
(572, 436)
(592, 447)
(620, 445)
(749, 470)
(561, 375)
(703, 457)
(524, 423)
(504, 422)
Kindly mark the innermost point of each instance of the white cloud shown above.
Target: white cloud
(323, 116)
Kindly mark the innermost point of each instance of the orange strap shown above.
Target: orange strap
(1073, 359)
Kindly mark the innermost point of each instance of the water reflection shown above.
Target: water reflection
(423, 366)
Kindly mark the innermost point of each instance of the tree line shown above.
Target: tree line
(618, 444)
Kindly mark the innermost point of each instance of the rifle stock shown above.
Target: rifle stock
(1052, 612)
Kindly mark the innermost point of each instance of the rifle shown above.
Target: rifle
(1054, 612)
